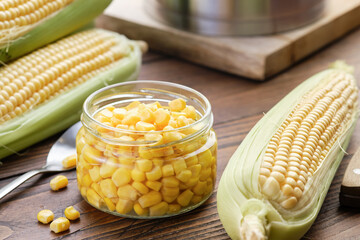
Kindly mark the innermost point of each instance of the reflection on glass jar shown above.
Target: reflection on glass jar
(143, 152)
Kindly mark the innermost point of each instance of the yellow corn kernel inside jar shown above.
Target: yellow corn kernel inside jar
(146, 150)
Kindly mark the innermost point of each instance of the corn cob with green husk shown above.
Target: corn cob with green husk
(276, 181)
(42, 93)
(26, 25)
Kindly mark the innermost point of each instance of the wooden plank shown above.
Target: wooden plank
(253, 57)
(237, 105)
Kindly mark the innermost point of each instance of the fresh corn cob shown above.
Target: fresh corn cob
(26, 25)
(276, 181)
(43, 92)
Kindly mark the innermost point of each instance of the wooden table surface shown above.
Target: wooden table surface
(237, 105)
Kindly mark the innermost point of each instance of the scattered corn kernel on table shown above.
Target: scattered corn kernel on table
(237, 105)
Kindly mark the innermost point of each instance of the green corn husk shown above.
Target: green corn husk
(74, 16)
(60, 112)
(244, 211)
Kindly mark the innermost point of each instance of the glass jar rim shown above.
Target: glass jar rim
(207, 116)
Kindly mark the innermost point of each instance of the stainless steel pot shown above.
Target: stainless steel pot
(235, 17)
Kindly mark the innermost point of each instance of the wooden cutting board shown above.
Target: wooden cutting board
(252, 57)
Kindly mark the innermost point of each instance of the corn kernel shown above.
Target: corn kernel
(60, 224)
(145, 153)
(190, 161)
(166, 151)
(144, 126)
(170, 181)
(150, 199)
(205, 173)
(108, 188)
(92, 155)
(209, 181)
(140, 211)
(154, 137)
(162, 118)
(132, 105)
(100, 146)
(137, 175)
(183, 186)
(190, 112)
(209, 189)
(124, 206)
(110, 205)
(93, 197)
(196, 199)
(167, 170)
(199, 188)
(122, 126)
(154, 185)
(141, 188)
(86, 181)
(213, 171)
(213, 161)
(103, 129)
(146, 115)
(184, 198)
(126, 161)
(195, 170)
(182, 121)
(119, 113)
(110, 108)
(126, 138)
(205, 158)
(175, 115)
(158, 162)
(69, 161)
(167, 128)
(115, 121)
(45, 216)
(58, 182)
(184, 175)
(127, 192)
(179, 165)
(154, 174)
(106, 113)
(192, 182)
(173, 208)
(144, 165)
(177, 105)
(170, 191)
(83, 163)
(71, 213)
(130, 119)
(108, 168)
(169, 199)
(83, 191)
(95, 174)
(172, 123)
(80, 143)
(154, 106)
(114, 200)
(97, 189)
(159, 209)
(121, 177)
(213, 149)
(172, 136)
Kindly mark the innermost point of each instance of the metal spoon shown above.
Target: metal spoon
(63, 147)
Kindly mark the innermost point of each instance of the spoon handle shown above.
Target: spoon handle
(17, 182)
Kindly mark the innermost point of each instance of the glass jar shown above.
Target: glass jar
(127, 173)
